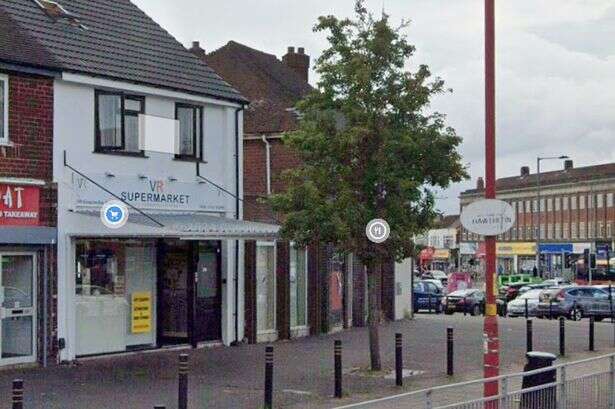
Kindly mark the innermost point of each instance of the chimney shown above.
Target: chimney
(568, 164)
(197, 50)
(298, 62)
(480, 184)
(525, 171)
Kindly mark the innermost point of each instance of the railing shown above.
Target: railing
(588, 383)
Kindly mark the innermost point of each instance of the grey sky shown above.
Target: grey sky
(555, 65)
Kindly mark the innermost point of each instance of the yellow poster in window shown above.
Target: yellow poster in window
(141, 322)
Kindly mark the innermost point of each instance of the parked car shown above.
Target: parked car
(510, 291)
(436, 274)
(516, 307)
(471, 300)
(557, 281)
(574, 303)
(529, 287)
(437, 283)
(427, 296)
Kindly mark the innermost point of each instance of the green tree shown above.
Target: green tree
(370, 148)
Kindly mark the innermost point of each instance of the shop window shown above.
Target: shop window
(99, 272)
(265, 286)
(190, 119)
(4, 109)
(117, 122)
(298, 287)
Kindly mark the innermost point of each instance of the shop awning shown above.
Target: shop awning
(183, 226)
(28, 235)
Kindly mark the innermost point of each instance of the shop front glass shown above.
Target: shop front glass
(17, 310)
(265, 287)
(298, 287)
(526, 264)
(115, 295)
(336, 291)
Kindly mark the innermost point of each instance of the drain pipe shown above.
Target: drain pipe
(267, 162)
(237, 216)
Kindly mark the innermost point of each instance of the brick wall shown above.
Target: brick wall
(30, 156)
(31, 137)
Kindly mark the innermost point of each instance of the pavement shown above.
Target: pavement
(233, 377)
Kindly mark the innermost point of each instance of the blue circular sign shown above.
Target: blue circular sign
(114, 214)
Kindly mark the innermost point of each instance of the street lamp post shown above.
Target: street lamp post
(539, 217)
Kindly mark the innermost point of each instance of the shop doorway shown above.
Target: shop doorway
(190, 292)
(208, 292)
(173, 291)
(17, 308)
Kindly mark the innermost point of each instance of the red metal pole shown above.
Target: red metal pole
(491, 359)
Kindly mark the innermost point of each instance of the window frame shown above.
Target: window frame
(98, 148)
(197, 145)
(4, 137)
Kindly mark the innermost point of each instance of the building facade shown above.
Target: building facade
(577, 213)
(78, 130)
(294, 291)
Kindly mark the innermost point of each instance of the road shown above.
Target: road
(232, 377)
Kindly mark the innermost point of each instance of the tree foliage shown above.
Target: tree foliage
(370, 145)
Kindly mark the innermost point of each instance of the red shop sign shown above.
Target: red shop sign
(19, 205)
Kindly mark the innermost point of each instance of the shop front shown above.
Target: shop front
(26, 276)
(515, 258)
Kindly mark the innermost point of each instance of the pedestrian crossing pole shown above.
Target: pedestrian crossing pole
(491, 357)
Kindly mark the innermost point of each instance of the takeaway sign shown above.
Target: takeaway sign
(488, 217)
(19, 205)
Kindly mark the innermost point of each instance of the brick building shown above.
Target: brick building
(28, 214)
(576, 213)
(335, 283)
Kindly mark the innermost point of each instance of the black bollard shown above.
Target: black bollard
(399, 360)
(527, 312)
(562, 336)
(182, 398)
(529, 336)
(337, 357)
(550, 309)
(268, 377)
(429, 301)
(591, 334)
(449, 352)
(18, 394)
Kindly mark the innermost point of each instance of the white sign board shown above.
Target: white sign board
(488, 217)
(157, 134)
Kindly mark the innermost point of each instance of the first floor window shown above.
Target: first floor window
(4, 109)
(298, 286)
(117, 121)
(190, 130)
(265, 286)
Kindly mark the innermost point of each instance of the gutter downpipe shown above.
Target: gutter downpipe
(267, 162)
(237, 176)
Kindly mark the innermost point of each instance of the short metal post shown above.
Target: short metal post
(529, 336)
(527, 312)
(562, 336)
(550, 309)
(268, 377)
(399, 360)
(612, 382)
(182, 398)
(591, 334)
(18, 394)
(337, 357)
(449, 352)
(429, 301)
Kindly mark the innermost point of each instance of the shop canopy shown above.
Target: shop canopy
(28, 235)
(184, 226)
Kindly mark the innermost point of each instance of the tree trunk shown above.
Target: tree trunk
(373, 295)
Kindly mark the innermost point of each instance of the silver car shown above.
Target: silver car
(516, 307)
